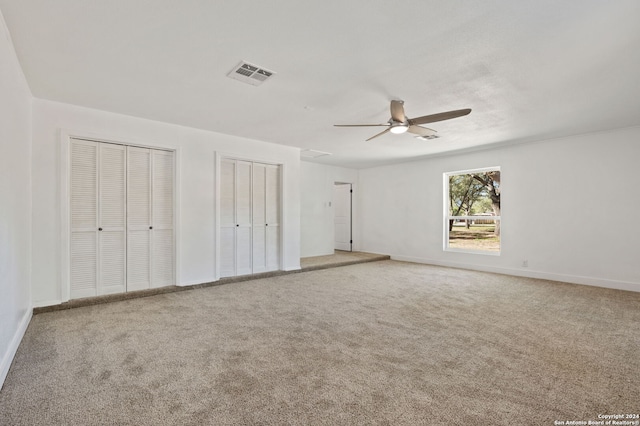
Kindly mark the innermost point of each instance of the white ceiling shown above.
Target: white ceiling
(530, 70)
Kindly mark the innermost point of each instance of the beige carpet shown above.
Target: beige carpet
(376, 343)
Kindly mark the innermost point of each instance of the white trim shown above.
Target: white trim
(264, 160)
(466, 172)
(563, 278)
(10, 353)
(216, 213)
(294, 268)
(470, 251)
(177, 153)
(44, 303)
(475, 217)
(64, 255)
(283, 214)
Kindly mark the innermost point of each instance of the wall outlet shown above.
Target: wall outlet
(525, 263)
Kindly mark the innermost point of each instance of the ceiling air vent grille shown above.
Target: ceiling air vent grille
(249, 73)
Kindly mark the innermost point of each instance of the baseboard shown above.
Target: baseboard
(46, 303)
(573, 279)
(294, 268)
(7, 357)
(197, 282)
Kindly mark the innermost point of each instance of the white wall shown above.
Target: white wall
(569, 207)
(317, 181)
(196, 151)
(15, 202)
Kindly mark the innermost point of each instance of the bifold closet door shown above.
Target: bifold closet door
(162, 234)
(235, 218)
(98, 210)
(273, 215)
(249, 217)
(149, 218)
(266, 217)
(138, 218)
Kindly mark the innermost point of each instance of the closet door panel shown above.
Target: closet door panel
(111, 219)
(84, 219)
(138, 259)
(163, 269)
(259, 218)
(272, 212)
(162, 189)
(84, 264)
(243, 218)
(273, 248)
(227, 193)
(138, 188)
(84, 185)
(227, 218)
(112, 263)
(243, 251)
(259, 249)
(272, 195)
(162, 236)
(227, 252)
(138, 218)
(243, 193)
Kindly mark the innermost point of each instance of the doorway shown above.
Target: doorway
(342, 221)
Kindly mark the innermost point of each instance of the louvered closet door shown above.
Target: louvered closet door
(122, 235)
(162, 234)
(227, 218)
(138, 218)
(249, 217)
(243, 218)
(84, 219)
(259, 218)
(98, 249)
(272, 213)
(111, 219)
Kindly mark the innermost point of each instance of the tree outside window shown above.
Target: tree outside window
(472, 211)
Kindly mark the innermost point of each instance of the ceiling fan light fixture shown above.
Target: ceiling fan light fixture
(399, 129)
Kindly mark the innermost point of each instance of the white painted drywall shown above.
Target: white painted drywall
(569, 207)
(15, 202)
(317, 180)
(196, 152)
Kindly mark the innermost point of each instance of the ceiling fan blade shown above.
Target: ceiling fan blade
(421, 131)
(360, 125)
(439, 117)
(397, 111)
(379, 134)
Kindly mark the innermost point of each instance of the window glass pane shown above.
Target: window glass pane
(473, 222)
(477, 235)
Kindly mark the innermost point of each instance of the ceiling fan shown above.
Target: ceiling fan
(400, 123)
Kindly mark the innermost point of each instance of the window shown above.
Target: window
(472, 211)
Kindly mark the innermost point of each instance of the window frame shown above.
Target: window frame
(448, 217)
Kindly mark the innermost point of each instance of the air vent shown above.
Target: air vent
(426, 138)
(249, 73)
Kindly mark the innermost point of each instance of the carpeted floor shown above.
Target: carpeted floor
(377, 343)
